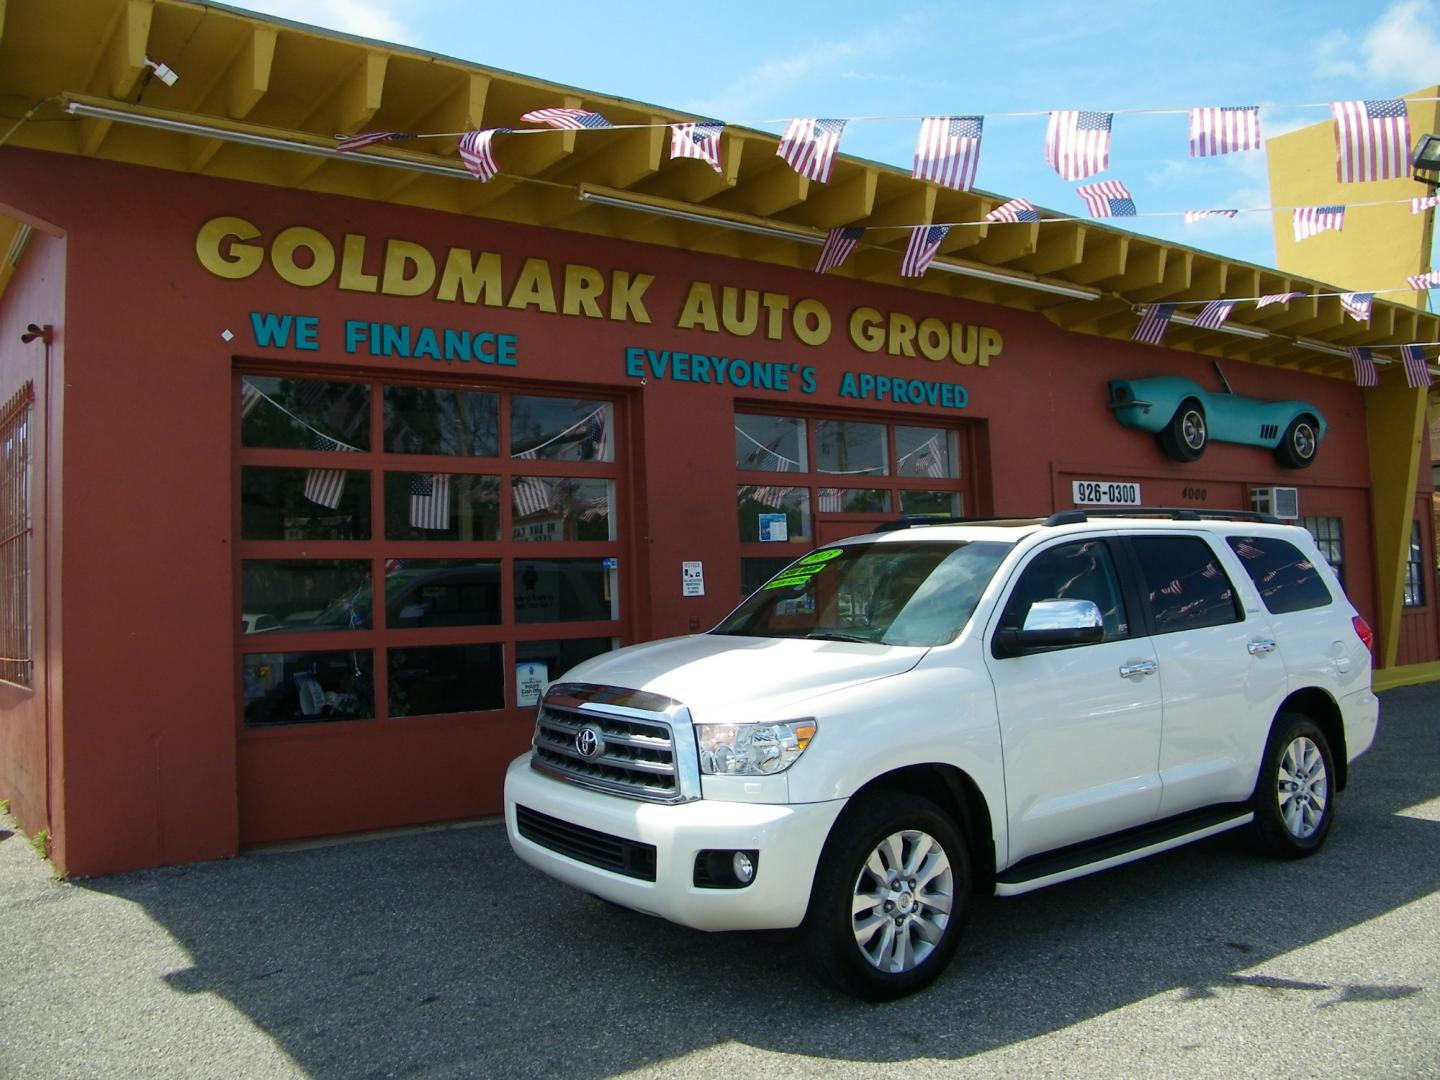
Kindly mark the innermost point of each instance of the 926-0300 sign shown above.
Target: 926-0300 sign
(1106, 493)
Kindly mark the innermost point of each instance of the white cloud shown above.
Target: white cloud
(363, 18)
(1402, 45)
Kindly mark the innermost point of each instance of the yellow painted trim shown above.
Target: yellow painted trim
(1408, 675)
(1394, 419)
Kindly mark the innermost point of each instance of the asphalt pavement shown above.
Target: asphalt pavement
(438, 954)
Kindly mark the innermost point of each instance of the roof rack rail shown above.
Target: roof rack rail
(911, 521)
(1175, 513)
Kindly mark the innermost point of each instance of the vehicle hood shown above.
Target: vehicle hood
(722, 678)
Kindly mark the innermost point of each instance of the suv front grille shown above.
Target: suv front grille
(628, 857)
(637, 758)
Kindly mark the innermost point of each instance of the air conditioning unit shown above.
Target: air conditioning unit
(1281, 502)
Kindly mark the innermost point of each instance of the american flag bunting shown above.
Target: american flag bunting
(1417, 373)
(1108, 198)
(1364, 364)
(1077, 144)
(569, 119)
(348, 143)
(809, 146)
(1357, 305)
(1214, 314)
(1016, 210)
(1421, 203)
(477, 154)
(1428, 280)
(1310, 220)
(948, 150)
(1277, 298)
(839, 243)
(698, 139)
(1154, 323)
(920, 252)
(1192, 216)
(1224, 130)
(430, 500)
(1372, 140)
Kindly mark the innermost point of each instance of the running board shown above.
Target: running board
(1117, 849)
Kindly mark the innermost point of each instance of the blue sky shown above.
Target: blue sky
(746, 61)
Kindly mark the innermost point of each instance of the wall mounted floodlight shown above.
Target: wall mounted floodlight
(1426, 159)
(163, 72)
(32, 332)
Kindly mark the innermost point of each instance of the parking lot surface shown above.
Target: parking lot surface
(438, 954)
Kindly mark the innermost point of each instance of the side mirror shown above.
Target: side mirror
(1052, 624)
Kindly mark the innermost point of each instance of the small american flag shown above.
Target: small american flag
(1417, 374)
(1421, 203)
(832, 500)
(250, 396)
(1310, 220)
(930, 458)
(325, 486)
(809, 146)
(1214, 314)
(1015, 210)
(1277, 298)
(593, 444)
(477, 154)
(1077, 144)
(1154, 323)
(430, 501)
(1428, 280)
(1357, 305)
(1192, 216)
(369, 138)
(925, 241)
(1108, 198)
(570, 119)
(1174, 588)
(768, 496)
(1223, 130)
(948, 150)
(1365, 373)
(698, 139)
(530, 494)
(1372, 140)
(839, 243)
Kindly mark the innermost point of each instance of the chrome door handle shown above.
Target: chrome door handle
(1140, 667)
(1259, 648)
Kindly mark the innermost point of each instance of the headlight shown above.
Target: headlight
(752, 749)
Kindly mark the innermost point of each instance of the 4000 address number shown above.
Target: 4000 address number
(1106, 493)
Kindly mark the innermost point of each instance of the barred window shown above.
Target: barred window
(16, 427)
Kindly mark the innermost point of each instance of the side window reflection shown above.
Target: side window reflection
(1078, 571)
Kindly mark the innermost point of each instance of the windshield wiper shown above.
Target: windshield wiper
(837, 635)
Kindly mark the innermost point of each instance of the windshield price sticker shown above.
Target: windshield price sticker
(801, 572)
(1105, 493)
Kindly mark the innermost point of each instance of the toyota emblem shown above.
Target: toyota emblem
(589, 742)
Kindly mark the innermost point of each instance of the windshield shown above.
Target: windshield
(899, 593)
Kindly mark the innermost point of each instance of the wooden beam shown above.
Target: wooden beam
(1061, 247)
(1178, 273)
(1007, 241)
(777, 188)
(846, 199)
(242, 83)
(117, 66)
(1105, 257)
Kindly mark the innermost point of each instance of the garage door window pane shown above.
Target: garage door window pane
(770, 443)
(445, 679)
(561, 429)
(296, 595)
(442, 592)
(773, 514)
(442, 506)
(424, 420)
(304, 414)
(921, 451)
(562, 508)
(565, 590)
(854, 501)
(850, 449)
(307, 687)
(541, 662)
(304, 504)
(947, 503)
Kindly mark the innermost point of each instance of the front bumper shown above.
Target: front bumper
(788, 837)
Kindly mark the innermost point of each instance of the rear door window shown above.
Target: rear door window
(1186, 585)
(1286, 578)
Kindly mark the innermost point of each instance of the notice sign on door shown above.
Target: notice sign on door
(692, 578)
(530, 680)
(773, 528)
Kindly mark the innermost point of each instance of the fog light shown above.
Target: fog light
(743, 867)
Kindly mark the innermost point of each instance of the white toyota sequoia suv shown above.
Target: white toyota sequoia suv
(901, 721)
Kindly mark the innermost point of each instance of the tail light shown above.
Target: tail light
(1364, 633)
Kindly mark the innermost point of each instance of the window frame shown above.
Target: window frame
(17, 548)
(1414, 596)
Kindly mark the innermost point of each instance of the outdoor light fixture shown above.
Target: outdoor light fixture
(249, 138)
(163, 72)
(1224, 328)
(1427, 159)
(32, 332)
(679, 213)
(1315, 346)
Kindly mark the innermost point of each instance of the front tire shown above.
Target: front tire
(1185, 437)
(1294, 800)
(890, 898)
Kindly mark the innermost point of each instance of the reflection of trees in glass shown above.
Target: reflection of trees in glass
(845, 447)
(290, 414)
(422, 420)
(559, 429)
(273, 506)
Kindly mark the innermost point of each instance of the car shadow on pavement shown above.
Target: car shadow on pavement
(439, 953)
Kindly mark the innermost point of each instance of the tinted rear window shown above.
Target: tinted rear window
(1286, 578)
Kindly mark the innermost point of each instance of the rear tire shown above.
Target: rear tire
(890, 898)
(1294, 800)
(1297, 448)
